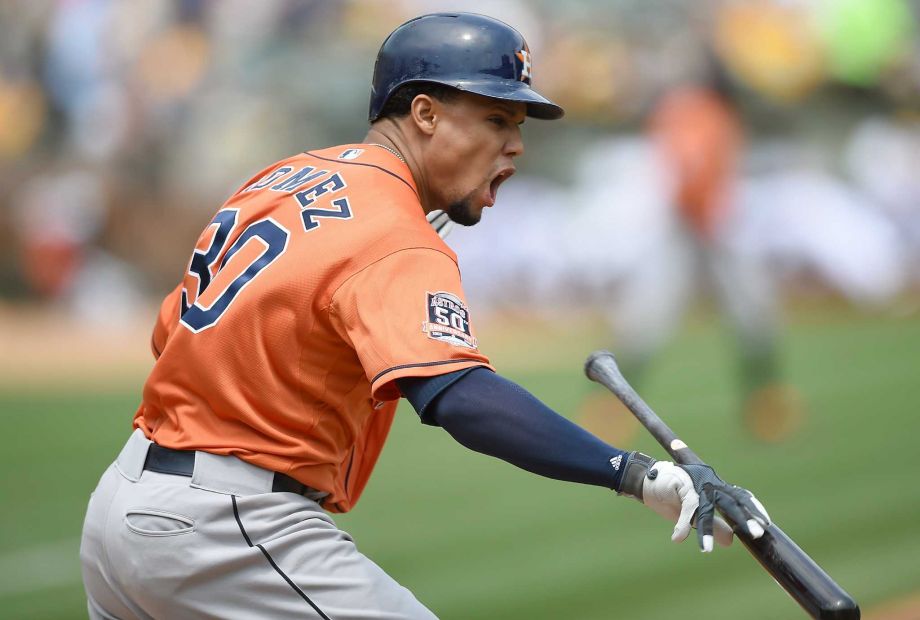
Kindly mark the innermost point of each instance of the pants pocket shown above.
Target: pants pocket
(152, 522)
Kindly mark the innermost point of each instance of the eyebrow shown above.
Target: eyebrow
(509, 110)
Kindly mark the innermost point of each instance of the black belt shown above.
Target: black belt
(182, 463)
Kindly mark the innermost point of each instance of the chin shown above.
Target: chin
(464, 213)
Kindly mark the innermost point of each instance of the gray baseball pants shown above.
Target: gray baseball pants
(220, 544)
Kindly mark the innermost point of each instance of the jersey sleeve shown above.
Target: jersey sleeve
(167, 320)
(406, 316)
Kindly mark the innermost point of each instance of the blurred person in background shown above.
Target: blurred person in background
(58, 218)
(697, 141)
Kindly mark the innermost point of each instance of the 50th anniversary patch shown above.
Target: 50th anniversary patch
(448, 320)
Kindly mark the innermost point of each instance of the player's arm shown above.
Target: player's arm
(492, 415)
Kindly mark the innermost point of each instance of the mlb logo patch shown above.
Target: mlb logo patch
(448, 320)
(351, 154)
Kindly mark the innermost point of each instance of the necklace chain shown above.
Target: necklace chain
(394, 151)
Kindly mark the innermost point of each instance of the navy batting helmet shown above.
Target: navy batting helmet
(469, 52)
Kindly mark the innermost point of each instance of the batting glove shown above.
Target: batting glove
(669, 491)
(739, 505)
(440, 222)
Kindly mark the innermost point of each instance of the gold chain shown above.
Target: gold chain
(394, 151)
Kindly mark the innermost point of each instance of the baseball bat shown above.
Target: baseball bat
(793, 569)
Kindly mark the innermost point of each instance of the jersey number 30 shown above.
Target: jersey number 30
(204, 266)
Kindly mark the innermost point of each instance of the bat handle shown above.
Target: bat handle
(601, 367)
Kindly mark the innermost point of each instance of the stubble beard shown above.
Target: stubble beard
(461, 212)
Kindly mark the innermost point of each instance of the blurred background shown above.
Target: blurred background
(731, 204)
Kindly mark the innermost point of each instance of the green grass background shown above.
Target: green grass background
(476, 538)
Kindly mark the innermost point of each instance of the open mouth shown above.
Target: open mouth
(500, 178)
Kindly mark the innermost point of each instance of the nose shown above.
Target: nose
(514, 147)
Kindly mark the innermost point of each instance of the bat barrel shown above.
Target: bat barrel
(800, 576)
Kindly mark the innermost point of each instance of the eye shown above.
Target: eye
(499, 121)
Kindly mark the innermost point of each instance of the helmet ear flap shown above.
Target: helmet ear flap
(464, 51)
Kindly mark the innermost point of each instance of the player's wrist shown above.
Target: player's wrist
(633, 474)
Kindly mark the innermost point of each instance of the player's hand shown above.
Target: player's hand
(440, 222)
(669, 491)
(738, 504)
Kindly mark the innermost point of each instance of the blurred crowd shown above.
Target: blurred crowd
(125, 123)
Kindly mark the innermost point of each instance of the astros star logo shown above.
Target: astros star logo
(524, 57)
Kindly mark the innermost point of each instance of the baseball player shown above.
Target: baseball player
(697, 132)
(318, 295)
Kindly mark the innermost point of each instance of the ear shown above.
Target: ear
(425, 113)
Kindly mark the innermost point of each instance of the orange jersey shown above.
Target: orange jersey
(316, 285)
(701, 138)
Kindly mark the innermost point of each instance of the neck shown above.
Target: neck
(387, 132)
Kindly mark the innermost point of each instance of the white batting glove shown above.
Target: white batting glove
(440, 222)
(669, 491)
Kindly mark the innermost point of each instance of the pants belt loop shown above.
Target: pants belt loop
(130, 461)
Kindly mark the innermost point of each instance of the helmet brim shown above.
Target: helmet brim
(538, 106)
